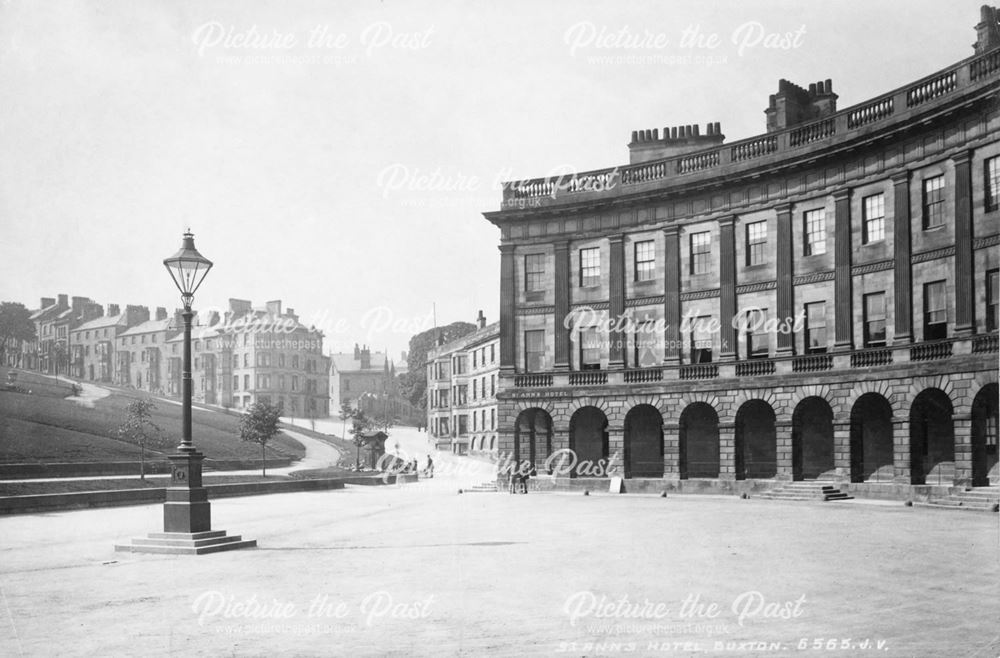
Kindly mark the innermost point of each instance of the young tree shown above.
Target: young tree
(15, 327)
(346, 414)
(260, 424)
(139, 428)
(360, 423)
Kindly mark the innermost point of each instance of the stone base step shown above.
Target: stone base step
(186, 543)
(976, 499)
(813, 490)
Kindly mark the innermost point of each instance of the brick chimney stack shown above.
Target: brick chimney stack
(988, 29)
(161, 313)
(646, 145)
(481, 319)
(113, 310)
(366, 358)
(793, 105)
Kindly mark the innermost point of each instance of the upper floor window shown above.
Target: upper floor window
(534, 350)
(645, 260)
(873, 218)
(874, 319)
(701, 339)
(758, 338)
(991, 169)
(756, 243)
(935, 311)
(701, 253)
(590, 349)
(815, 232)
(815, 327)
(534, 272)
(933, 202)
(644, 345)
(992, 299)
(590, 267)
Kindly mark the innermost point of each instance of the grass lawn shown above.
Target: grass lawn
(45, 427)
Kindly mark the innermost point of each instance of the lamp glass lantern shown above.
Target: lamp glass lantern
(187, 268)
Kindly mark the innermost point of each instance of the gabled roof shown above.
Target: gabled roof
(103, 322)
(148, 327)
(44, 313)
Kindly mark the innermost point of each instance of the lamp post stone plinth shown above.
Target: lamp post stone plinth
(187, 515)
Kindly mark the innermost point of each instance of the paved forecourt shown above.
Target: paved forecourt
(419, 570)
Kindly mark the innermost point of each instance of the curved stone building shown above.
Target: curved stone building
(819, 302)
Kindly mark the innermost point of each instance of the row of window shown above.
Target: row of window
(264, 382)
(756, 240)
(758, 338)
(264, 360)
(440, 426)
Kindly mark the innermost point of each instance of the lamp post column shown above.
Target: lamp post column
(186, 508)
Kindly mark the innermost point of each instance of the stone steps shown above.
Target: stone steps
(977, 499)
(186, 543)
(813, 490)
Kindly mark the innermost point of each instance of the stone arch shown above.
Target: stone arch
(871, 438)
(644, 441)
(533, 435)
(822, 391)
(932, 436)
(699, 440)
(879, 387)
(661, 404)
(756, 439)
(985, 430)
(812, 437)
(918, 385)
(693, 397)
(981, 380)
(588, 438)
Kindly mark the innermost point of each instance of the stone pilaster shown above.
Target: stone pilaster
(727, 451)
(727, 287)
(508, 310)
(672, 296)
(784, 293)
(783, 437)
(902, 264)
(671, 451)
(965, 310)
(844, 314)
(842, 449)
(616, 451)
(963, 450)
(901, 467)
(616, 302)
(561, 297)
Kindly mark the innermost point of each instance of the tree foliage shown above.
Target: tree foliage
(260, 424)
(360, 423)
(413, 383)
(15, 326)
(138, 427)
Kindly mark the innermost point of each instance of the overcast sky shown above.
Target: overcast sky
(300, 140)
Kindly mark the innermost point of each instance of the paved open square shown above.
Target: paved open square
(420, 570)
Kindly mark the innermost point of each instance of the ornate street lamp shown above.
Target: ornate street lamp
(188, 269)
(187, 518)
